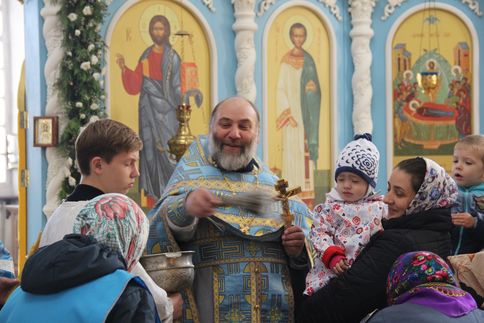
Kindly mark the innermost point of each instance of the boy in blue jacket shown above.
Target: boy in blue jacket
(468, 213)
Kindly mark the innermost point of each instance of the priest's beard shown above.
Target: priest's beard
(231, 162)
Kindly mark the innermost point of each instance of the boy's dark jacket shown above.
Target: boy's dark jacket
(78, 259)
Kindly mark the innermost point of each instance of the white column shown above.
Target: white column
(361, 34)
(56, 163)
(244, 28)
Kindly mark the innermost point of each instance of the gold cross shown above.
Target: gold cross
(284, 195)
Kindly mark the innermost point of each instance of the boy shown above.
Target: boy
(106, 152)
(468, 213)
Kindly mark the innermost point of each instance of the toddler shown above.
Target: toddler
(468, 212)
(351, 214)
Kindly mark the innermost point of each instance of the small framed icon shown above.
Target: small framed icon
(46, 131)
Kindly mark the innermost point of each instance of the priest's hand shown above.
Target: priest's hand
(293, 240)
(201, 203)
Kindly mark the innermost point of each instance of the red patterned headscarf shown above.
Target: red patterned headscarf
(116, 221)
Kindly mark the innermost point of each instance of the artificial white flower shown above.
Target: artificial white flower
(77, 32)
(98, 28)
(78, 104)
(102, 97)
(101, 83)
(94, 59)
(72, 17)
(82, 116)
(91, 47)
(87, 11)
(93, 118)
(94, 106)
(96, 76)
(69, 162)
(69, 53)
(86, 66)
(72, 181)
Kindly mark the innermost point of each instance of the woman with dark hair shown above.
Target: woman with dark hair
(421, 288)
(420, 194)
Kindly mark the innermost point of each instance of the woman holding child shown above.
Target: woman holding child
(420, 194)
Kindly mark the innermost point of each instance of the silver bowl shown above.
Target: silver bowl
(172, 271)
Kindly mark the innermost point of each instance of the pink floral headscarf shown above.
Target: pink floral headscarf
(438, 190)
(116, 221)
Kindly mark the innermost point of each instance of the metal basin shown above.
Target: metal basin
(172, 271)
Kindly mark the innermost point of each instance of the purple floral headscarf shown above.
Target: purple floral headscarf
(438, 190)
(422, 277)
(116, 221)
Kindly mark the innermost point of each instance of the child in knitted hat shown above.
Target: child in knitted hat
(351, 214)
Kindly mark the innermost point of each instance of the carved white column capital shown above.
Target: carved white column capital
(474, 6)
(56, 163)
(390, 8)
(244, 28)
(361, 34)
(264, 5)
(333, 7)
(209, 4)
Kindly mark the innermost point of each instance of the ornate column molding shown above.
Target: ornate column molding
(390, 8)
(474, 6)
(393, 4)
(264, 5)
(56, 163)
(209, 4)
(333, 6)
(361, 34)
(244, 28)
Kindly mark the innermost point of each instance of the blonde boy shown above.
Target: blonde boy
(468, 214)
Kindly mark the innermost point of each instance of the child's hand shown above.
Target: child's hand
(340, 267)
(463, 220)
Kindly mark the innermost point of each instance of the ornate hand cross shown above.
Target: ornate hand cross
(284, 196)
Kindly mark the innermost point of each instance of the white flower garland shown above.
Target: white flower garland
(80, 84)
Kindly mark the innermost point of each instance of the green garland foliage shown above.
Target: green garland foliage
(80, 82)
